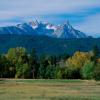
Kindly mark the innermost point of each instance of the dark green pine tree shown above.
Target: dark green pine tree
(33, 62)
(95, 53)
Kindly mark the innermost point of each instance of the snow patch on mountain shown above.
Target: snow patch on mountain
(44, 28)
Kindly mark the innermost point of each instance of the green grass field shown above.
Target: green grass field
(11, 89)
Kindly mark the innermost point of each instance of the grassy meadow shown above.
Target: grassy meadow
(12, 89)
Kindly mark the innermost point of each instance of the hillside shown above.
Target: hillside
(47, 45)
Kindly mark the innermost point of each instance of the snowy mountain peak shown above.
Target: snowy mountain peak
(44, 28)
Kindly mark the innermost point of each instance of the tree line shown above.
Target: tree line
(18, 63)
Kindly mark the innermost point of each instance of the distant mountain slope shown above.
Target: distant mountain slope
(47, 45)
(65, 31)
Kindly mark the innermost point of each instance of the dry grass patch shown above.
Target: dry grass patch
(49, 90)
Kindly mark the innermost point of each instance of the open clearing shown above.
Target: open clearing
(11, 89)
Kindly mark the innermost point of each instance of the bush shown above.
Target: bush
(87, 70)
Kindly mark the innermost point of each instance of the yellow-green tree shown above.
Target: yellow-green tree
(75, 63)
(78, 59)
(19, 60)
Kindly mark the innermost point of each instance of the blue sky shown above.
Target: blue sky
(84, 15)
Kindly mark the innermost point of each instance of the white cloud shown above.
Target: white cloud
(38, 7)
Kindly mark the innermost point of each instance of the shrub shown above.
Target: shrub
(87, 70)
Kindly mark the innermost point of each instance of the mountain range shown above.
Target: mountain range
(65, 31)
(45, 38)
